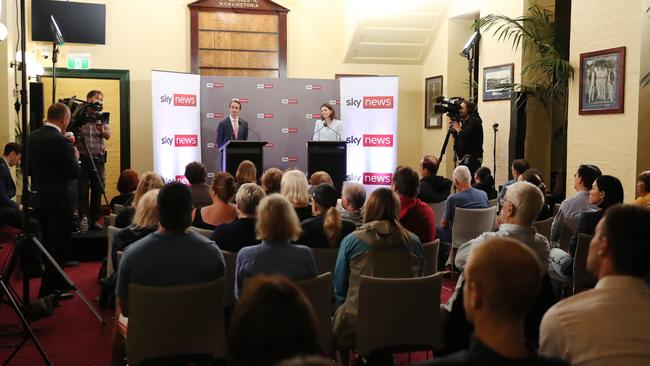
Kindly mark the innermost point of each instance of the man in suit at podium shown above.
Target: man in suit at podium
(233, 127)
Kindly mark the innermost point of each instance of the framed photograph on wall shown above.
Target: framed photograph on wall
(497, 82)
(602, 81)
(432, 89)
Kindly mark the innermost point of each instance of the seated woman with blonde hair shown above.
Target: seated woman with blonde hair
(221, 211)
(277, 226)
(294, 187)
(148, 181)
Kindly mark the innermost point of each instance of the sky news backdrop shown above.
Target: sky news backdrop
(187, 109)
(280, 111)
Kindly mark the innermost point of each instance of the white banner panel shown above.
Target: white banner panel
(369, 115)
(176, 117)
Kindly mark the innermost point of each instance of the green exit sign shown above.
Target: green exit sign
(78, 62)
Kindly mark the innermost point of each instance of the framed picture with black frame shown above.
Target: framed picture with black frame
(602, 81)
(497, 82)
(432, 89)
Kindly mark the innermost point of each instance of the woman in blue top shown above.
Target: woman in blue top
(381, 247)
(277, 225)
(328, 128)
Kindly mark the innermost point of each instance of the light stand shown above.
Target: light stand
(27, 237)
(57, 40)
(495, 127)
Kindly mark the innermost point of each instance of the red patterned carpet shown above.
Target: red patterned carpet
(72, 336)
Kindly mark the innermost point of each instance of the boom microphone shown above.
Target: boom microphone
(255, 132)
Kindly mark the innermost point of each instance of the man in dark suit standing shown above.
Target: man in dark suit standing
(54, 168)
(233, 127)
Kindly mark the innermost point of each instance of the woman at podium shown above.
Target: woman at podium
(328, 128)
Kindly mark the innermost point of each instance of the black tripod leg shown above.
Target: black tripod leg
(26, 327)
(73, 285)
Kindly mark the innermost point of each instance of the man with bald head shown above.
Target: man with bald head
(502, 280)
(523, 202)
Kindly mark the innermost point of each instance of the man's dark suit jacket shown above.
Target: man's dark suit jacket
(54, 170)
(7, 189)
(225, 132)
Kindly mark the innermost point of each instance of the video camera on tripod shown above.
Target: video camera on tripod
(82, 112)
(450, 106)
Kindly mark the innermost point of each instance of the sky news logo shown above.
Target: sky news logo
(181, 140)
(264, 115)
(264, 86)
(335, 101)
(214, 85)
(269, 144)
(313, 87)
(182, 179)
(241, 100)
(185, 100)
(289, 159)
(313, 116)
(289, 101)
(377, 179)
(375, 102)
(289, 130)
(372, 140)
(214, 115)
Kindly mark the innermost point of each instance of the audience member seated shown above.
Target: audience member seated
(501, 283)
(415, 215)
(608, 325)
(534, 177)
(353, 198)
(643, 189)
(523, 201)
(241, 232)
(246, 173)
(197, 176)
(433, 188)
(518, 167)
(148, 181)
(381, 231)
(466, 197)
(573, 207)
(273, 321)
(320, 177)
(605, 192)
(172, 255)
(221, 211)
(485, 182)
(326, 228)
(271, 180)
(126, 185)
(277, 225)
(294, 187)
(145, 222)
(11, 213)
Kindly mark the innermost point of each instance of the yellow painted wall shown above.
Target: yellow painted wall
(608, 140)
(643, 147)
(494, 52)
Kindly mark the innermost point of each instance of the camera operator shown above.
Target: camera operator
(91, 130)
(468, 137)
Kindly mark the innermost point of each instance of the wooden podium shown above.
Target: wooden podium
(328, 156)
(234, 152)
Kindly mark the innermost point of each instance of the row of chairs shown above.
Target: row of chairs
(168, 322)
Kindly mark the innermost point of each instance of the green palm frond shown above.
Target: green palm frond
(535, 34)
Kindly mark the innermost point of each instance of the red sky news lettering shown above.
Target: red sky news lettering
(380, 179)
(185, 100)
(385, 102)
(186, 140)
(378, 140)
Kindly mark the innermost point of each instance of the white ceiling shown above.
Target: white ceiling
(402, 34)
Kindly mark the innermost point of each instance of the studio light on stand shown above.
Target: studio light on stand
(57, 40)
(3, 32)
(469, 52)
